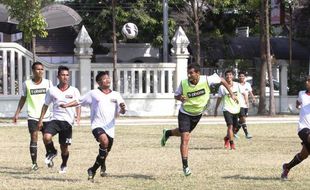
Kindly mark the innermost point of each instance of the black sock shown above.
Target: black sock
(97, 164)
(33, 152)
(236, 128)
(50, 148)
(295, 161)
(231, 142)
(168, 134)
(185, 162)
(245, 129)
(64, 159)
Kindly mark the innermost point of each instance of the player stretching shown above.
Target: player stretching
(194, 94)
(303, 102)
(62, 119)
(246, 87)
(33, 93)
(105, 105)
(231, 108)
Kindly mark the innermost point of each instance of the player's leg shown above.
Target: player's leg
(229, 119)
(103, 165)
(33, 147)
(65, 139)
(242, 123)
(304, 135)
(50, 130)
(171, 132)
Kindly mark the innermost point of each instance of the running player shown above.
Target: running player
(33, 92)
(62, 119)
(105, 105)
(194, 94)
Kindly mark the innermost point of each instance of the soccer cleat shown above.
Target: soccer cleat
(236, 136)
(226, 142)
(233, 146)
(49, 158)
(164, 138)
(102, 170)
(91, 174)
(187, 171)
(35, 167)
(63, 169)
(285, 172)
(248, 136)
(51, 164)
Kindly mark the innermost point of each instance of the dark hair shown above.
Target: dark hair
(194, 66)
(35, 64)
(62, 68)
(229, 71)
(100, 74)
(242, 73)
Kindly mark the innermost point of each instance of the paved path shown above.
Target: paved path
(206, 120)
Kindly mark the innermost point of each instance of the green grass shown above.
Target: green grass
(138, 162)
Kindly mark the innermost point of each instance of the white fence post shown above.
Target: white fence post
(83, 53)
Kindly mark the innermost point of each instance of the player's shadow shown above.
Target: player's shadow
(207, 148)
(250, 177)
(47, 178)
(15, 171)
(135, 176)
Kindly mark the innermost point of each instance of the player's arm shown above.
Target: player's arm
(43, 111)
(20, 106)
(122, 108)
(252, 96)
(298, 104)
(70, 104)
(226, 85)
(218, 101)
(178, 95)
(78, 114)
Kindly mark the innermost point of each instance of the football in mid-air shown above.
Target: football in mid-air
(130, 30)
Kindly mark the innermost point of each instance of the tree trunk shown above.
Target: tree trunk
(115, 78)
(272, 108)
(197, 31)
(263, 69)
(33, 43)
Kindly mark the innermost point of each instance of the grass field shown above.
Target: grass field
(138, 162)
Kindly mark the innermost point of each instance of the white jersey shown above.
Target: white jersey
(212, 79)
(236, 90)
(304, 114)
(104, 109)
(56, 96)
(246, 88)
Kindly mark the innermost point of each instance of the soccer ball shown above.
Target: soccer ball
(130, 30)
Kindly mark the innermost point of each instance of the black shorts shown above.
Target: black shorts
(243, 112)
(303, 135)
(187, 123)
(63, 128)
(231, 119)
(99, 131)
(33, 125)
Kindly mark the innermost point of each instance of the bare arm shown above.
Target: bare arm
(180, 98)
(70, 104)
(43, 111)
(226, 85)
(78, 114)
(298, 104)
(20, 106)
(252, 96)
(218, 101)
(123, 108)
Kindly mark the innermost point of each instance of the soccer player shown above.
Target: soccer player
(231, 108)
(33, 92)
(246, 87)
(302, 103)
(62, 119)
(194, 93)
(105, 105)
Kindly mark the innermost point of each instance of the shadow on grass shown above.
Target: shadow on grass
(47, 179)
(251, 177)
(16, 171)
(135, 176)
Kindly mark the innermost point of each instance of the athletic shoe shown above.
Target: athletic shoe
(63, 169)
(248, 136)
(35, 167)
(226, 142)
(49, 158)
(51, 164)
(91, 174)
(187, 171)
(102, 170)
(285, 172)
(236, 136)
(163, 138)
(233, 146)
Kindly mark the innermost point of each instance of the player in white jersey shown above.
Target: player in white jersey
(302, 103)
(244, 104)
(231, 108)
(33, 93)
(105, 105)
(62, 119)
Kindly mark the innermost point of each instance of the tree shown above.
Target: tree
(31, 21)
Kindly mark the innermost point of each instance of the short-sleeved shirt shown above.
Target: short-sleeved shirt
(104, 109)
(304, 114)
(246, 88)
(35, 96)
(57, 97)
(236, 90)
(212, 79)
